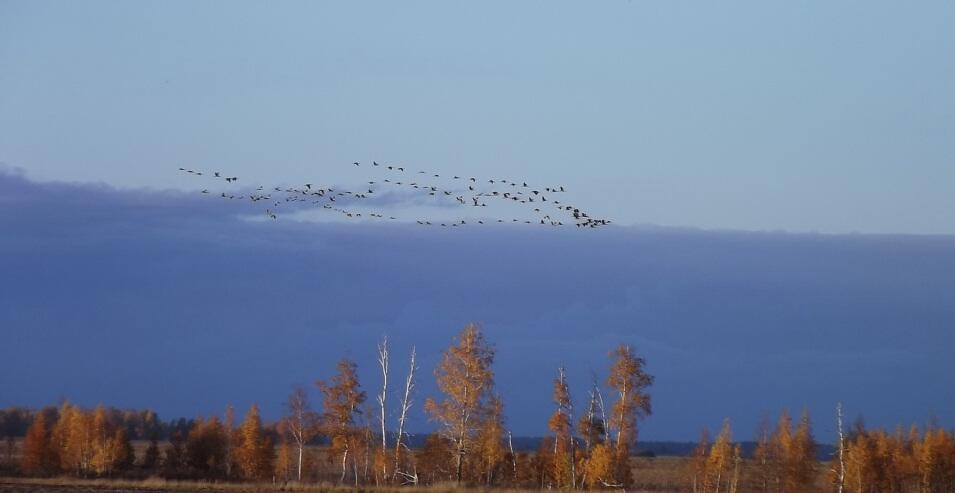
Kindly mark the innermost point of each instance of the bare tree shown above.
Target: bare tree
(603, 410)
(302, 424)
(382, 398)
(403, 416)
(842, 441)
(510, 445)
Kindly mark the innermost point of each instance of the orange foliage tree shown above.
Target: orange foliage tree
(564, 466)
(343, 398)
(630, 380)
(465, 378)
(38, 457)
(255, 451)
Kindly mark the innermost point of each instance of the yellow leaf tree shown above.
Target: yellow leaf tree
(630, 380)
(465, 378)
(564, 467)
(490, 442)
(255, 452)
(343, 398)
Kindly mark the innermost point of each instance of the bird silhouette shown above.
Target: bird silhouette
(308, 195)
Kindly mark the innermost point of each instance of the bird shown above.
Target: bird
(308, 192)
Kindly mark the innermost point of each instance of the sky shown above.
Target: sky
(779, 175)
(796, 116)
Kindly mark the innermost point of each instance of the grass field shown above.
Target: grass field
(656, 475)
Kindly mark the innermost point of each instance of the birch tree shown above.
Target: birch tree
(342, 402)
(564, 468)
(382, 399)
(402, 418)
(841, 474)
(465, 378)
(629, 379)
(301, 425)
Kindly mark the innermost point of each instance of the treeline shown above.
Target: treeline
(365, 440)
(912, 460)
(783, 461)
(139, 424)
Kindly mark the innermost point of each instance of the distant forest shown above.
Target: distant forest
(143, 425)
(350, 440)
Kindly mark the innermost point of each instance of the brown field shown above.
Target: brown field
(656, 475)
(651, 475)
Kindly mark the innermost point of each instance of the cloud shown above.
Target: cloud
(172, 300)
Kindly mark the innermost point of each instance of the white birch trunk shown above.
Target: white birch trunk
(842, 462)
(403, 416)
(382, 398)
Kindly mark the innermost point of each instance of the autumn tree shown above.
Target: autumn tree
(697, 463)
(560, 424)
(104, 449)
(74, 434)
(284, 463)
(432, 459)
(802, 458)
(600, 468)
(205, 448)
(465, 378)
(255, 452)
(490, 447)
(790, 457)
(343, 398)
(124, 456)
(542, 464)
(231, 440)
(301, 425)
(719, 462)
(935, 456)
(631, 381)
(38, 457)
(763, 457)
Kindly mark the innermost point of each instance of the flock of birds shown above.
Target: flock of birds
(546, 205)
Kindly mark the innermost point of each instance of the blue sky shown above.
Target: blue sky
(810, 116)
(780, 174)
